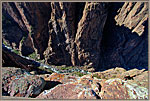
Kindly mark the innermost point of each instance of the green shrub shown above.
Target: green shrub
(16, 51)
(45, 69)
(66, 68)
(78, 73)
(4, 43)
(31, 30)
(22, 40)
(95, 75)
(33, 55)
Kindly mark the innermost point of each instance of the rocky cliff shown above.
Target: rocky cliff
(96, 35)
(116, 83)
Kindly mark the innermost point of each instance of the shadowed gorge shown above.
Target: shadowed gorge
(75, 50)
(79, 34)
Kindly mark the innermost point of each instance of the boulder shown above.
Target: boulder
(141, 79)
(68, 91)
(19, 83)
(84, 87)
(120, 89)
(132, 73)
(62, 78)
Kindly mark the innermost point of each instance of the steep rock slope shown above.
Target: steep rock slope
(121, 47)
(133, 16)
(83, 34)
(89, 33)
(31, 19)
(61, 34)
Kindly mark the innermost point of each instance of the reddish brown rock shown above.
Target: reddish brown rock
(133, 16)
(110, 73)
(17, 82)
(67, 91)
(89, 87)
(132, 73)
(89, 33)
(62, 78)
(119, 89)
(28, 17)
(83, 34)
(113, 90)
(91, 82)
(61, 34)
(84, 87)
(141, 79)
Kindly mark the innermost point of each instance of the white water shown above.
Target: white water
(47, 66)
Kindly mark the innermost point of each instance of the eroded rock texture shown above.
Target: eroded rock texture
(19, 83)
(61, 34)
(89, 33)
(89, 87)
(121, 47)
(133, 16)
(83, 34)
(31, 25)
(13, 60)
(120, 89)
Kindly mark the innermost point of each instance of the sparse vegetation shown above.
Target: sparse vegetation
(16, 51)
(45, 69)
(49, 70)
(33, 55)
(22, 40)
(79, 74)
(4, 43)
(113, 76)
(31, 30)
(40, 67)
(95, 75)
(66, 68)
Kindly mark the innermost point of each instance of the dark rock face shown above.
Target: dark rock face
(121, 47)
(63, 34)
(32, 22)
(12, 59)
(89, 33)
(19, 83)
(133, 16)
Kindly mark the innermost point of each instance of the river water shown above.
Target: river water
(54, 69)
